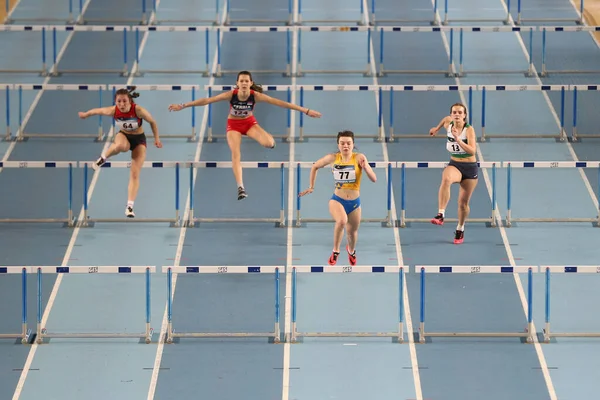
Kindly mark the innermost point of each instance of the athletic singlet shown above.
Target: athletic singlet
(453, 148)
(239, 108)
(129, 121)
(346, 175)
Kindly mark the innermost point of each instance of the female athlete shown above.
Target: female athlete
(128, 118)
(461, 143)
(241, 121)
(344, 205)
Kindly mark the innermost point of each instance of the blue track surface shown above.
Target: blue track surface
(315, 368)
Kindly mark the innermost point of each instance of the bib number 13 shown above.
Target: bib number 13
(455, 147)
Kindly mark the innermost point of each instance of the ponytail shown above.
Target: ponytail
(129, 91)
(256, 87)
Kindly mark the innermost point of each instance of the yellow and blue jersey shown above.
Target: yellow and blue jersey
(347, 175)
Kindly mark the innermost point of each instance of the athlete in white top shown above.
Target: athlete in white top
(461, 143)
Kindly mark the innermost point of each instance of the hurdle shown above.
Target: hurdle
(158, 20)
(55, 71)
(211, 137)
(42, 331)
(509, 165)
(446, 20)
(361, 21)
(560, 137)
(520, 19)
(273, 336)
(139, 72)
(142, 21)
(397, 336)
(392, 89)
(194, 89)
(195, 222)
(528, 333)
(404, 222)
(575, 89)
(23, 28)
(25, 333)
(545, 71)
(67, 221)
(7, 89)
(11, 19)
(88, 222)
(289, 21)
(300, 72)
(22, 135)
(415, 30)
(287, 72)
(528, 72)
(385, 222)
(568, 269)
(379, 137)
(376, 20)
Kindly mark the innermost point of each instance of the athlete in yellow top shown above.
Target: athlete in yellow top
(344, 205)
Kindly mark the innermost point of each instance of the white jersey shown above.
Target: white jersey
(454, 148)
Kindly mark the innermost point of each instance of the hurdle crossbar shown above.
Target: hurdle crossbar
(67, 221)
(279, 222)
(193, 89)
(23, 135)
(375, 19)
(288, 21)
(520, 19)
(25, 333)
(568, 269)
(89, 222)
(287, 72)
(462, 71)
(509, 165)
(404, 222)
(25, 69)
(560, 136)
(545, 71)
(42, 331)
(385, 222)
(477, 269)
(397, 336)
(382, 71)
(274, 336)
(300, 72)
(211, 137)
(360, 21)
(140, 72)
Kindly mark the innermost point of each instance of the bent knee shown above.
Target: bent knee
(341, 222)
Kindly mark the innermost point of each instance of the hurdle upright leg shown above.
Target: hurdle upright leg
(25, 333)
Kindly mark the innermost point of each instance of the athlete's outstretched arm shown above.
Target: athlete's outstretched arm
(146, 116)
(443, 122)
(364, 164)
(201, 102)
(106, 111)
(328, 159)
(284, 104)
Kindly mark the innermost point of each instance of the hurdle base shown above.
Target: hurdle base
(197, 222)
(91, 222)
(408, 222)
(524, 336)
(513, 221)
(302, 223)
(298, 337)
(45, 338)
(64, 223)
(175, 338)
(19, 338)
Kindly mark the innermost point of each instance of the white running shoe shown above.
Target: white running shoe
(129, 212)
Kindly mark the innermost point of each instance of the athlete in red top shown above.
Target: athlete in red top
(241, 121)
(128, 118)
